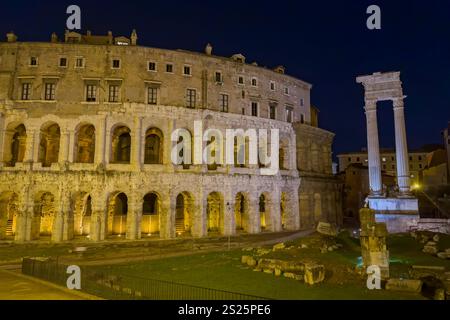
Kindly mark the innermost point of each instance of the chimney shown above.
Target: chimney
(54, 38)
(11, 37)
(134, 37)
(110, 37)
(88, 33)
(208, 49)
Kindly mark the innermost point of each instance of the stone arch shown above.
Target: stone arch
(317, 207)
(85, 143)
(117, 213)
(15, 142)
(184, 211)
(50, 136)
(215, 213)
(264, 205)
(8, 214)
(121, 144)
(44, 214)
(82, 214)
(241, 212)
(151, 212)
(154, 141)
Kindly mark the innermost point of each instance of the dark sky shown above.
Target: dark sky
(325, 43)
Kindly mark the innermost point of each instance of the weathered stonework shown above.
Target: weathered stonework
(72, 167)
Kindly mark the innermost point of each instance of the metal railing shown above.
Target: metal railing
(125, 287)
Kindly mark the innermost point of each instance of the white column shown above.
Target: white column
(373, 149)
(401, 148)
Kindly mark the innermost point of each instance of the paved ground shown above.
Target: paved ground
(15, 286)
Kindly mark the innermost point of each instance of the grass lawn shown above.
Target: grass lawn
(224, 271)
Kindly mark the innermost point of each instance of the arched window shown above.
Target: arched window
(49, 145)
(85, 144)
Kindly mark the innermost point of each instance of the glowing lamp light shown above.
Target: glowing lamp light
(415, 186)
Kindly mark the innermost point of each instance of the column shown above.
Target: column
(71, 145)
(100, 141)
(32, 136)
(134, 217)
(136, 134)
(64, 142)
(98, 218)
(401, 148)
(373, 149)
(229, 223)
(198, 221)
(254, 219)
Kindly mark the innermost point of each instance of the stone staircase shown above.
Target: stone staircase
(179, 226)
(9, 228)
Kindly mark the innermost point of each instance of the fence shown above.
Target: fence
(124, 287)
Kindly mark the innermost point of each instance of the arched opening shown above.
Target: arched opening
(85, 144)
(82, 214)
(262, 211)
(44, 215)
(151, 209)
(117, 214)
(317, 207)
(8, 214)
(15, 142)
(241, 213)
(214, 213)
(49, 144)
(153, 146)
(121, 145)
(183, 213)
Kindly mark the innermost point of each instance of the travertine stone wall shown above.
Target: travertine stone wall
(70, 167)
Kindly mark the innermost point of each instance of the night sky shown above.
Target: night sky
(325, 43)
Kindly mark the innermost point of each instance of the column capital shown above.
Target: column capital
(398, 103)
(370, 105)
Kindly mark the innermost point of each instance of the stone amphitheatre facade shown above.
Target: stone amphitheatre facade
(85, 145)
